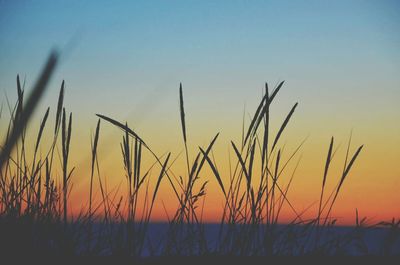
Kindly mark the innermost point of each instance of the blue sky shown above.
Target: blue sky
(137, 52)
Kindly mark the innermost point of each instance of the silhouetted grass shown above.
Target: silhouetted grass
(34, 201)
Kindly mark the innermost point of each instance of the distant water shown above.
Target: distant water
(370, 241)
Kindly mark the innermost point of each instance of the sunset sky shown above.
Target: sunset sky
(125, 59)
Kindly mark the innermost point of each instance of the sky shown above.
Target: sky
(340, 60)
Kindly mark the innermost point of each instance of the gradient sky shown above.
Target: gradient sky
(125, 59)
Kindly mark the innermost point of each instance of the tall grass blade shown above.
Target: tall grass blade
(182, 112)
(266, 129)
(242, 163)
(95, 142)
(94, 154)
(163, 170)
(346, 172)
(214, 170)
(255, 118)
(276, 90)
(283, 126)
(122, 127)
(327, 163)
(30, 106)
(59, 107)
(42, 125)
(206, 152)
(265, 109)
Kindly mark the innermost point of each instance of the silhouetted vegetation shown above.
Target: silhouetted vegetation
(34, 209)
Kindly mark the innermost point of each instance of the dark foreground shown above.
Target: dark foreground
(163, 242)
(212, 260)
